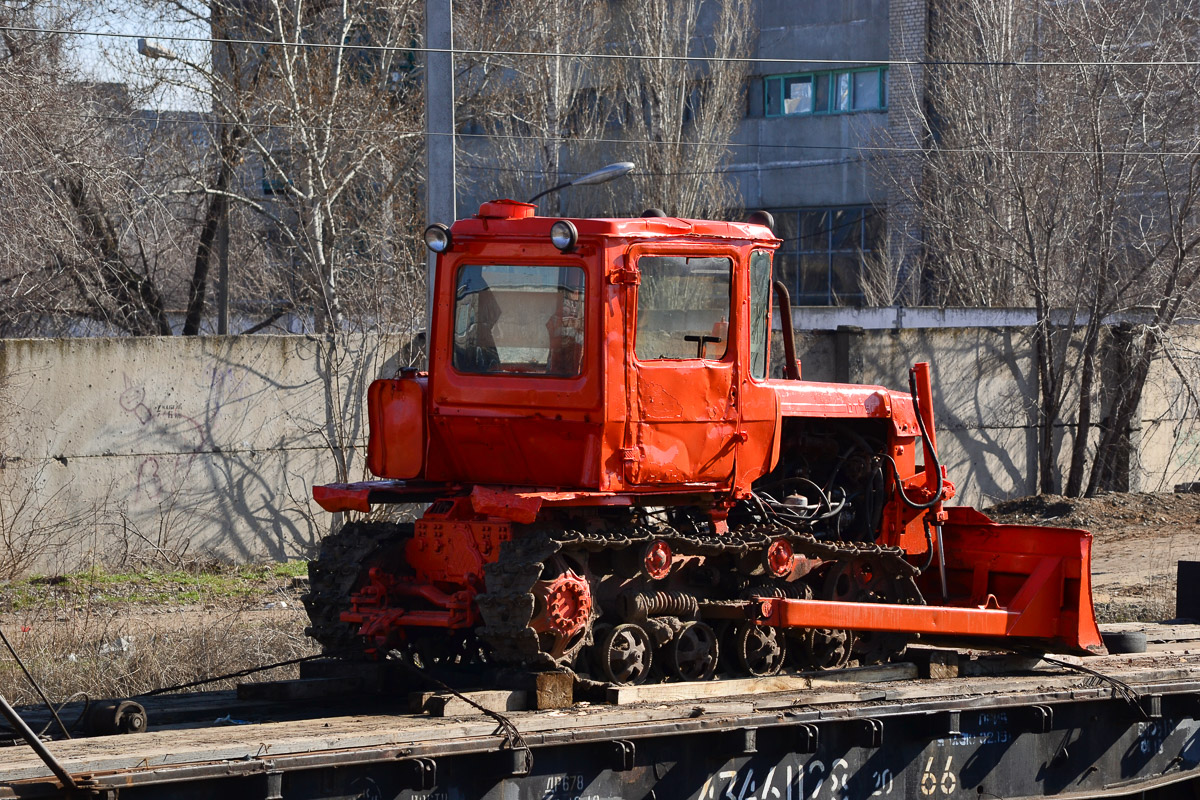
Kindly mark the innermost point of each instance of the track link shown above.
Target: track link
(507, 607)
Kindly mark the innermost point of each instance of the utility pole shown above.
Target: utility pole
(439, 129)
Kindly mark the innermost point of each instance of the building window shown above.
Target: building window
(826, 92)
(825, 251)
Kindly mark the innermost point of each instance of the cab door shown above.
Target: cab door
(683, 365)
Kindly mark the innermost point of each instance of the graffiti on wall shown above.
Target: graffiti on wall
(170, 438)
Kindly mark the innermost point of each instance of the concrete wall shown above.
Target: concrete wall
(182, 446)
(111, 448)
(1166, 445)
(985, 396)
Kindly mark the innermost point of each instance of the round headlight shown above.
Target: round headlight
(563, 235)
(437, 237)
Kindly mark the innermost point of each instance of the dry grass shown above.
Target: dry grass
(1152, 600)
(118, 636)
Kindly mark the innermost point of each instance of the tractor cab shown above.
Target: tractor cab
(606, 355)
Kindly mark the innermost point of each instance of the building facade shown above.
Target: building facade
(821, 134)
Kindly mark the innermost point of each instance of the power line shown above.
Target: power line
(769, 167)
(607, 56)
(131, 118)
(876, 149)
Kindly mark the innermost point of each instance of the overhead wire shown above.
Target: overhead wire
(601, 55)
(862, 148)
(228, 675)
(865, 148)
(768, 167)
(880, 149)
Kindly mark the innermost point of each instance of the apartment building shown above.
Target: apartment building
(812, 148)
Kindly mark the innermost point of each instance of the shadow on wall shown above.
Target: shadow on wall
(1168, 441)
(179, 448)
(113, 449)
(984, 407)
(986, 401)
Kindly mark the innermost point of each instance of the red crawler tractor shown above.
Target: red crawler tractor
(616, 484)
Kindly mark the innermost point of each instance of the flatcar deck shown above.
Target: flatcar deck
(1047, 731)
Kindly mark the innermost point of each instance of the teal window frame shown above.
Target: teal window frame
(830, 79)
(826, 251)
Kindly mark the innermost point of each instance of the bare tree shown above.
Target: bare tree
(305, 152)
(1062, 172)
(635, 82)
(83, 239)
(316, 115)
(539, 114)
(680, 114)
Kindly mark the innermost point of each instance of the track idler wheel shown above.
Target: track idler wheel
(854, 581)
(625, 654)
(759, 649)
(692, 654)
(827, 648)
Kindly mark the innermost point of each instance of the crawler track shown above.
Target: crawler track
(510, 608)
(338, 571)
(514, 631)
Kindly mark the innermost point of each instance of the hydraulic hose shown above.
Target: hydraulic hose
(931, 451)
(928, 546)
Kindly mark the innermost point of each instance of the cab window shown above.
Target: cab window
(683, 307)
(519, 319)
(760, 312)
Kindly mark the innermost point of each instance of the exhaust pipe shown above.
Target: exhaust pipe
(791, 367)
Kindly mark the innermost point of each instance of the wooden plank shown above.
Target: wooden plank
(451, 705)
(369, 729)
(418, 700)
(934, 662)
(881, 673)
(554, 690)
(999, 665)
(1160, 632)
(668, 692)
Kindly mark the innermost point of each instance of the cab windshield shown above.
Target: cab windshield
(519, 319)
